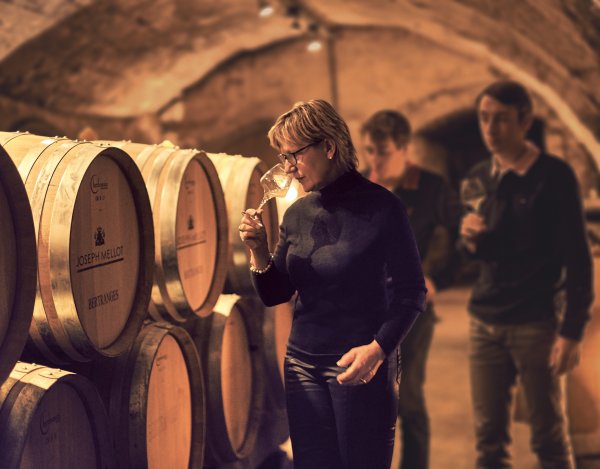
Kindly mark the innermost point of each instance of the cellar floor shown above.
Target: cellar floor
(448, 397)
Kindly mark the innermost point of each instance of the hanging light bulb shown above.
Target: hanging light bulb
(315, 44)
(265, 9)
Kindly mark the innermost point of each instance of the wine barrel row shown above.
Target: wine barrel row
(95, 245)
(154, 396)
(133, 223)
(161, 406)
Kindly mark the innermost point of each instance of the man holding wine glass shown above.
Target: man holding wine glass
(524, 223)
(430, 204)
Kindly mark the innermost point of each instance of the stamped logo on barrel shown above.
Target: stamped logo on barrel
(99, 236)
(45, 422)
(189, 184)
(96, 184)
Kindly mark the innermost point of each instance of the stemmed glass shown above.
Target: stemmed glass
(275, 183)
(472, 193)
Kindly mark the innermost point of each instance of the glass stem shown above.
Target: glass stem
(262, 203)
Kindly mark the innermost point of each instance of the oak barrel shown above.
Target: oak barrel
(155, 400)
(52, 419)
(190, 220)
(229, 346)
(18, 264)
(240, 178)
(95, 245)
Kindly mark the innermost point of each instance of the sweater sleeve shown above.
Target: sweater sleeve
(406, 283)
(274, 286)
(574, 247)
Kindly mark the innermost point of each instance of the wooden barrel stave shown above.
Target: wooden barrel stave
(19, 265)
(26, 148)
(21, 150)
(56, 336)
(164, 298)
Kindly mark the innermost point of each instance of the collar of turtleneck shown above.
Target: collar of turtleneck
(343, 183)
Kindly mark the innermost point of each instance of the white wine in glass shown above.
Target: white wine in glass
(472, 193)
(275, 183)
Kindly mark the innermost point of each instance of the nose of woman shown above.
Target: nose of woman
(289, 167)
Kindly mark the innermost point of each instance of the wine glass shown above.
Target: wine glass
(472, 193)
(275, 183)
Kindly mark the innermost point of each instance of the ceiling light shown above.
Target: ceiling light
(265, 9)
(314, 45)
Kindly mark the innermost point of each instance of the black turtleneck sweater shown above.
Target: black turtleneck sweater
(337, 247)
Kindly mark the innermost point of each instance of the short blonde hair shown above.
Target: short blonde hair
(311, 121)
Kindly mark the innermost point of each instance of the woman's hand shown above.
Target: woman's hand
(362, 362)
(252, 229)
(253, 234)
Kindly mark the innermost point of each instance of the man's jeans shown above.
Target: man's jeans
(412, 411)
(497, 354)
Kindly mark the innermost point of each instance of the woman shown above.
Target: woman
(348, 250)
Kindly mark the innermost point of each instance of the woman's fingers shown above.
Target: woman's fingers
(358, 375)
(251, 222)
(362, 365)
(347, 358)
(252, 218)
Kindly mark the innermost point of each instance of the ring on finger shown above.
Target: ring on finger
(362, 380)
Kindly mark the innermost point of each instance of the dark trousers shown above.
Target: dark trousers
(339, 427)
(497, 354)
(412, 411)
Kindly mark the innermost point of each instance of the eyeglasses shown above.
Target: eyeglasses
(291, 157)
